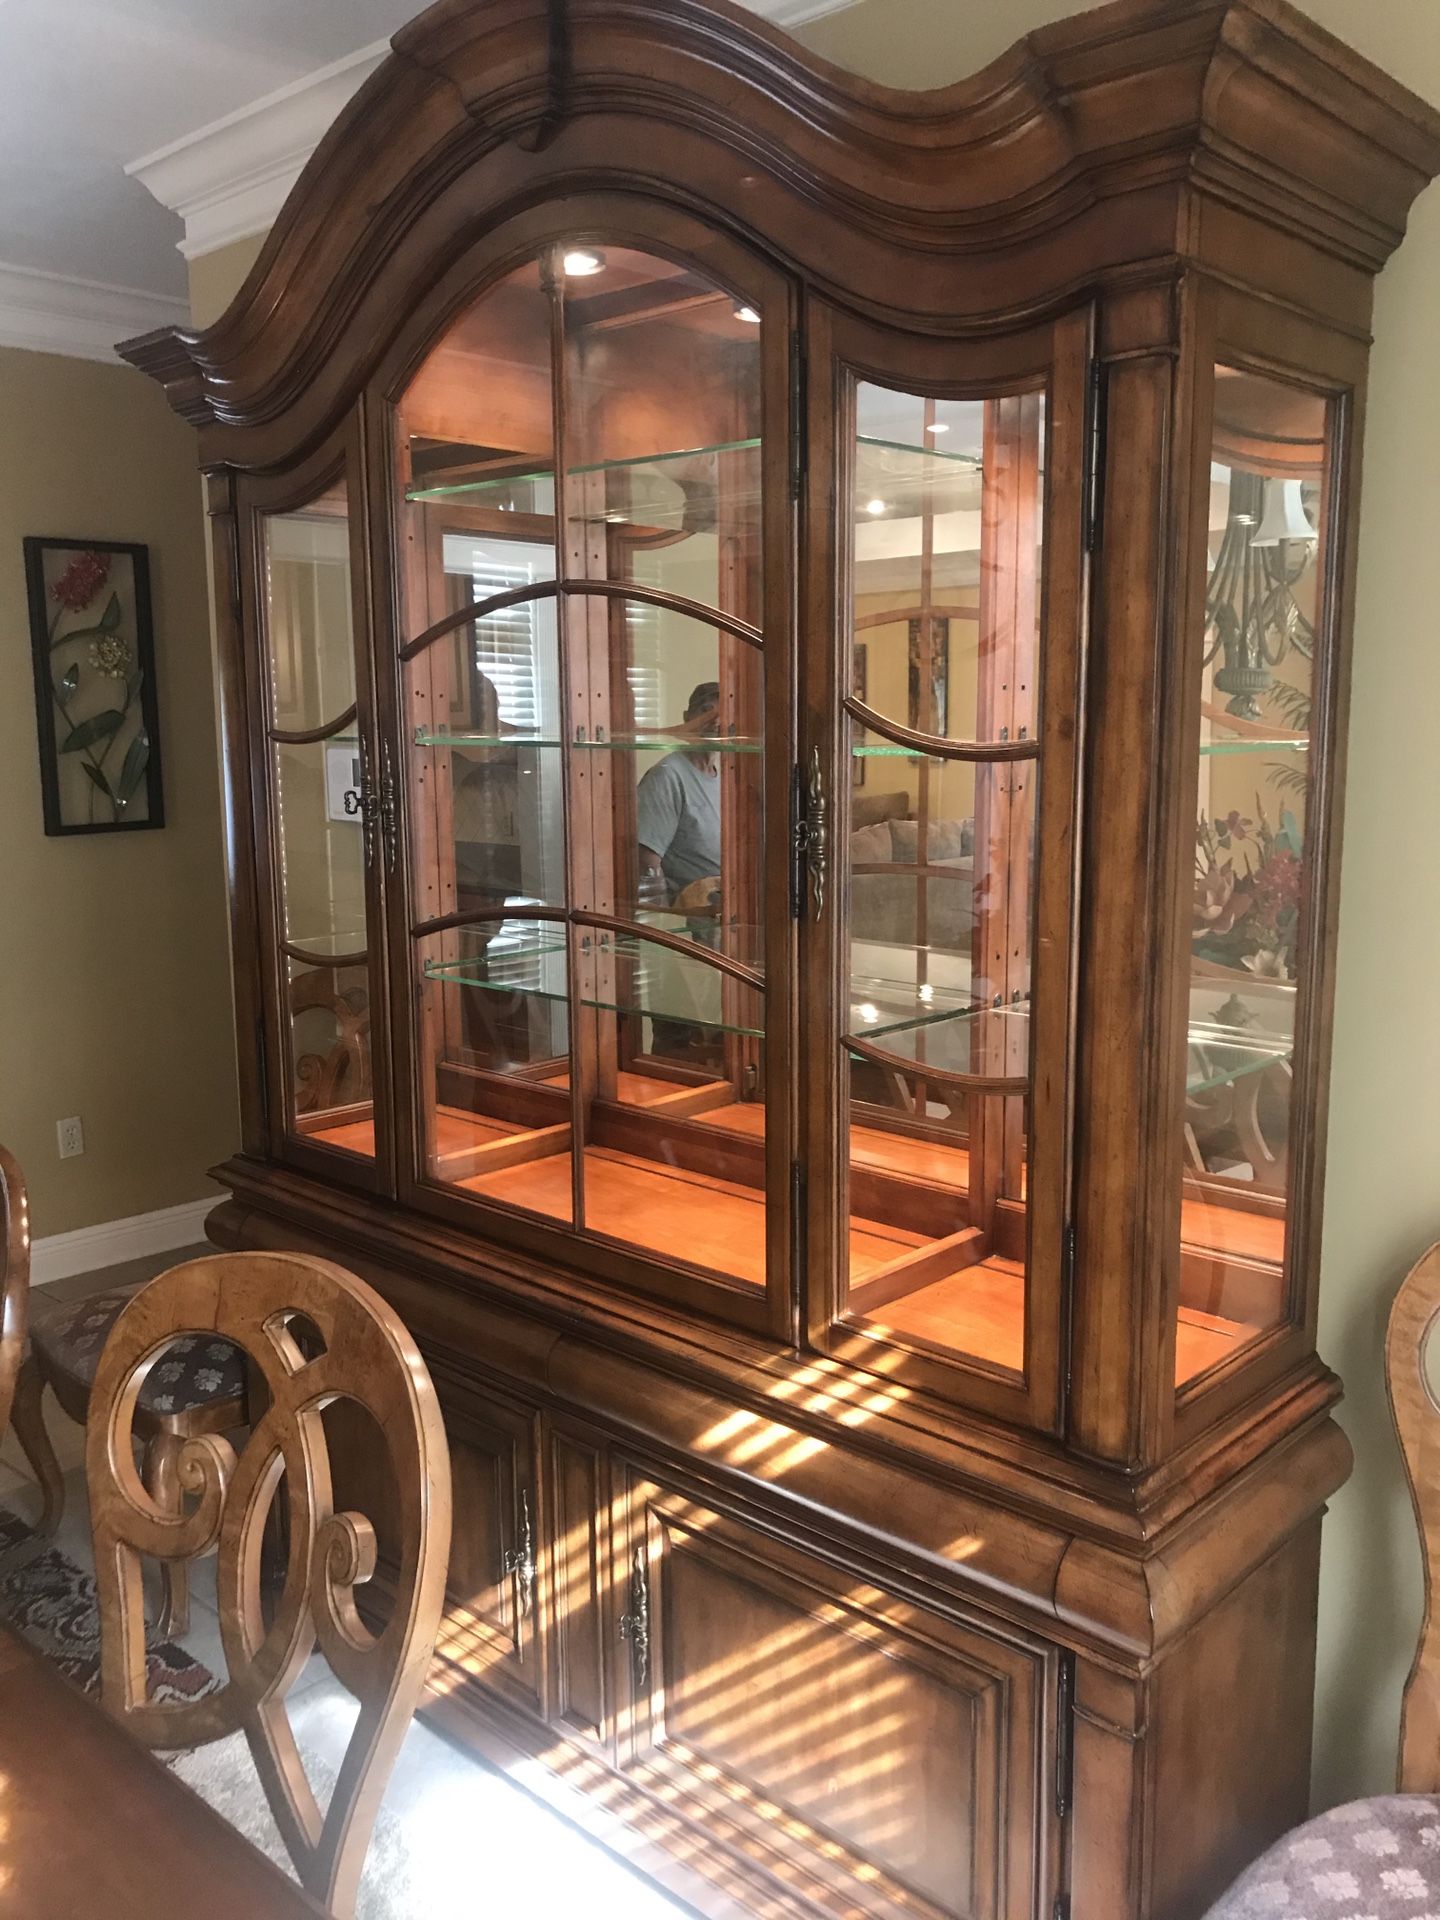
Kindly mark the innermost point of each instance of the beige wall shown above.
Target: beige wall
(1382, 1196)
(215, 277)
(1382, 1200)
(114, 983)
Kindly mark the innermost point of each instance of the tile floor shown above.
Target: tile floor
(473, 1839)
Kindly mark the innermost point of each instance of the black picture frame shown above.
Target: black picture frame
(87, 647)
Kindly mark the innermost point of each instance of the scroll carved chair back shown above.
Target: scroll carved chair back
(315, 1335)
(340, 1073)
(1415, 1404)
(14, 1279)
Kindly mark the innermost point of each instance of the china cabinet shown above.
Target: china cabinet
(784, 653)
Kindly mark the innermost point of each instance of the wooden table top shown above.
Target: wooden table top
(91, 1823)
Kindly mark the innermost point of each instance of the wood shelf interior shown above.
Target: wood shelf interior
(686, 1214)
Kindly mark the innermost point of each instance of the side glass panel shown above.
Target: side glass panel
(944, 765)
(1264, 620)
(315, 767)
(581, 463)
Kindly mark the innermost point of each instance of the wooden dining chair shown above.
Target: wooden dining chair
(1381, 1856)
(201, 1389)
(14, 1280)
(314, 1336)
(20, 1388)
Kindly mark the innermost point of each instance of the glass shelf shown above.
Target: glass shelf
(944, 1031)
(907, 480)
(882, 1007)
(733, 940)
(499, 485)
(672, 743)
(664, 743)
(339, 944)
(891, 751)
(658, 487)
(627, 974)
(1208, 747)
(941, 1027)
(443, 737)
(619, 743)
(1218, 1056)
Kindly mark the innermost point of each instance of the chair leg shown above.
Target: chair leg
(161, 1474)
(27, 1417)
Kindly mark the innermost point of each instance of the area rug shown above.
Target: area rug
(53, 1604)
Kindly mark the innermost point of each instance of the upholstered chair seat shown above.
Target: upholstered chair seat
(194, 1372)
(1378, 1858)
(198, 1386)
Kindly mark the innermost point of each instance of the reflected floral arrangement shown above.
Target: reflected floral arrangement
(1249, 881)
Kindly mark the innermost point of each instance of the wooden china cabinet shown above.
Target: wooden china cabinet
(784, 656)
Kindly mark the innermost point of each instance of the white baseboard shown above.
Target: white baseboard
(89, 1249)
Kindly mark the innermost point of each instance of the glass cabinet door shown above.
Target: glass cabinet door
(1263, 665)
(956, 763)
(583, 672)
(324, 816)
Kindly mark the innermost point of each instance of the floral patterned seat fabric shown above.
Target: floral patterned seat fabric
(193, 1372)
(1371, 1860)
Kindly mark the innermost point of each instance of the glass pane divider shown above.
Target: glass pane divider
(929, 746)
(569, 587)
(311, 736)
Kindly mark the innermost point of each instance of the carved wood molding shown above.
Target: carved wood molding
(1178, 104)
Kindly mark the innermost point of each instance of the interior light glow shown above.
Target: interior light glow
(875, 506)
(938, 426)
(580, 262)
(748, 315)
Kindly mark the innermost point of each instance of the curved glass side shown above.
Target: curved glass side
(319, 825)
(1262, 654)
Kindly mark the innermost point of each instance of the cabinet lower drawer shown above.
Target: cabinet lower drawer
(849, 1740)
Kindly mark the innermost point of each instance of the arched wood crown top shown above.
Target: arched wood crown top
(485, 104)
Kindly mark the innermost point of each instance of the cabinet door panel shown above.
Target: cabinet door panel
(593, 672)
(950, 613)
(831, 1731)
(491, 1630)
(577, 1493)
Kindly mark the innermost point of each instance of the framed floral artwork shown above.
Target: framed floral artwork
(93, 651)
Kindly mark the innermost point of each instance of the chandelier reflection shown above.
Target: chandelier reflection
(1252, 616)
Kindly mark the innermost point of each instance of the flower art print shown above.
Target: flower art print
(93, 656)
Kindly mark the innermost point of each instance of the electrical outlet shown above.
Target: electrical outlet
(71, 1135)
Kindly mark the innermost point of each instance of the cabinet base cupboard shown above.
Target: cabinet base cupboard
(784, 652)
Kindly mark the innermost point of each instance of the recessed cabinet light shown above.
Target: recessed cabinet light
(875, 506)
(580, 262)
(748, 315)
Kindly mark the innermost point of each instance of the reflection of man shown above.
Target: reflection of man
(677, 810)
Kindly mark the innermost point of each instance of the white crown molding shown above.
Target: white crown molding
(227, 181)
(797, 13)
(52, 313)
(92, 1249)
